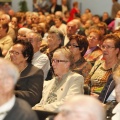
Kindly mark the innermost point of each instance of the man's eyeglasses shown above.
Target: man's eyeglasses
(74, 46)
(58, 61)
(14, 52)
(106, 47)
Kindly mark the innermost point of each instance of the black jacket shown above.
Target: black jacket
(30, 85)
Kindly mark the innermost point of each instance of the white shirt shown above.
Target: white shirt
(6, 107)
(41, 61)
(116, 111)
(111, 96)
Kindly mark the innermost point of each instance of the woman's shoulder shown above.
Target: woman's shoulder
(32, 70)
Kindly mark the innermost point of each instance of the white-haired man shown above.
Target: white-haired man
(12, 108)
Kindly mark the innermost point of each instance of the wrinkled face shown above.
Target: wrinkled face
(53, 40)
(35, 19)
(14, 21)
(60, 63)
(71, 29)
(93, 39)
(74, 48)
(21, 35)
(3, 19)
(16, 55)
(57, 23)
(109, 50)
(35, 43)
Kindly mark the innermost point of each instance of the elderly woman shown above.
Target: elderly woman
(30, 83)
(93, 52)
(65, 83)
(103, 69)
(78, 45)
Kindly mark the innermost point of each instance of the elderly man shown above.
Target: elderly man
(12, 108)
(5, 40)
(5, 18)
(39, 60)
(81, 108)
(73, 27)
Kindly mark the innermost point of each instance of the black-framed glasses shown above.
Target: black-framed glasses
(58, 61)
(72, 45)
(106, 47)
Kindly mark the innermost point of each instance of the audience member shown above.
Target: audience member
(30, 84)
(78, 45)
(22, 33)
(55, 41)
(59, 25)
(5, 40)
(106, 18)
(5, 18)
(39, 59)
(12, 108)
(74, 10)
(81, 108)
(115, 8)
(65, 83)
(72, 28)
(93, 52)
(55, 7)
(96, 19)
(102, 69)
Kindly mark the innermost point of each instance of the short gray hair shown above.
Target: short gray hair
(8, 69)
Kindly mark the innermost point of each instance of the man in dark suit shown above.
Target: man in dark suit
(55, 7)
(10, 107)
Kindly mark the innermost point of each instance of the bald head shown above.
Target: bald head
(82, 108)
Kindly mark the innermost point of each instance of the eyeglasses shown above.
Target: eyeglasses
(58, 61)
(73, 46)
(106, 47)
(92, 37)
(14, 52)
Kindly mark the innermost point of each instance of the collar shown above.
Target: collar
(37, 53)
(7, 106)
(63, 77)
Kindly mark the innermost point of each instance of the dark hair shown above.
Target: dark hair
(96, 16)
(113, 37)
(81, 41)
(27, 49)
